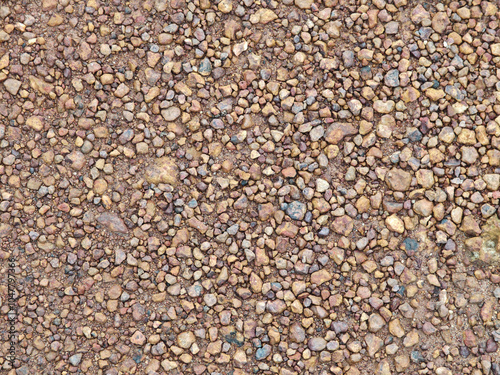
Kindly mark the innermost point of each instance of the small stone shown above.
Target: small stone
(322, 185)
(304, 4)
(12, 85)
(162, 170)
(297, 333)
(495, 49)
(373, 343)
(225, 6)
(77, 160)
(395, 328)
(411, 339)
(265, 15)
(263, 353)
(320, 277)
(443, 371)
(410, 94)
(75, 359)
(4, 61)
(49, 5)
(392, 78)
(434, 94)
(171, 114)
(296, 210)
(469, 154)
(186, 339)
(470, 339)
(317, 133)
(395, 224)
(384, 107)
(138, 338)
(338, 131)
(55, 20)
(398, 180)
(440, 21)
(470, 226)
(112, 222)
(375, 323)
(35, 123)
(343, 225)
(121, 90)
(316, 344)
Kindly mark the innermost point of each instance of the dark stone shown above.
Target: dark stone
(415, 136)
(263, 353)
(464, 351)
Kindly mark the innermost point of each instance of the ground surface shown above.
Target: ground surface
(293, 187)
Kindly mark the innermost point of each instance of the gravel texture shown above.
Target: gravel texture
(250, 187)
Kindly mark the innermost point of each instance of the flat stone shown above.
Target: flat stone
(121, 90)
(443, 371)
(49, 5)
(392, 28)
(265, 15)
(5, 229)
(317, 133)
(410, 94)
(287, 229)
(411, 339)
(469, 154)
(373, 343)
(276, 306)
(470, 226)
(55, 20)
(40, 85)
(435, 94)
(266, 211)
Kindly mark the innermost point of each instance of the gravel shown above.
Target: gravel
(287, 188)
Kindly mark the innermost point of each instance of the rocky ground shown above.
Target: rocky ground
(251, 187)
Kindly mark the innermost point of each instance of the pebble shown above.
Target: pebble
(316, 344)
(296, 210)
(12, 85)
